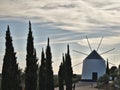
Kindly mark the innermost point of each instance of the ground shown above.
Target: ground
(84, 86)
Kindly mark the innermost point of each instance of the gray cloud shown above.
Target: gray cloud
(69, 15)
(58, 6)
(65, 21)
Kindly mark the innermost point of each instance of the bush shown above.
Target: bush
(103, 80)
(117, 81)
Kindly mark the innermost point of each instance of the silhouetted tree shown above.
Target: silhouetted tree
(61, 75)
(10, 71)
(113, 72)
(68, 70)
(49, 71)
(31, 63)
(42, 72)
(119, 69)
(107, 68)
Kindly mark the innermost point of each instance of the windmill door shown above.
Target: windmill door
(94, 76)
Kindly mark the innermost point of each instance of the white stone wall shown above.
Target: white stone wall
(93, 65)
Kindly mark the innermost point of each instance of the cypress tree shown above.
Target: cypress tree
(35, 69)
(61, 75)
(68, 70)
(49, 71)
(10, 71)
(31, 63)
(107, 68)
(119, 69)
(42, 72)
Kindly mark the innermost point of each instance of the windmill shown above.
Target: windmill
(94, 65)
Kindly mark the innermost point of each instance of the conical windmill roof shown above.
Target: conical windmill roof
(94, 55)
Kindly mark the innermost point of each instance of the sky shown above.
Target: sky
(64, 22)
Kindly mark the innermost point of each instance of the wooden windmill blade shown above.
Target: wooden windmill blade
(80, 52)
(89, 44)
(77, 64)
(107, 51)
(99, 44)
(110, 63)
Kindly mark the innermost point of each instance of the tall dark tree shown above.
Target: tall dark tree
(10, 71)
(119, 69)
(31, 63)
(42, 72)
(113, 72)
(107, 68)
(49, 71)
(61, 75)
(68, 70)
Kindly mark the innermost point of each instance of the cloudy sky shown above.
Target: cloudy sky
(64, 21)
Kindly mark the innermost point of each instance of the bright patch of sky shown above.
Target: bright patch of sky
(64, 21)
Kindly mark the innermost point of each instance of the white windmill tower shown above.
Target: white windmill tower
(94, 66)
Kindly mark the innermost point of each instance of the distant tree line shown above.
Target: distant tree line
(36, 77)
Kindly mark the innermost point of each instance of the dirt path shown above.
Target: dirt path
(84, 86)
